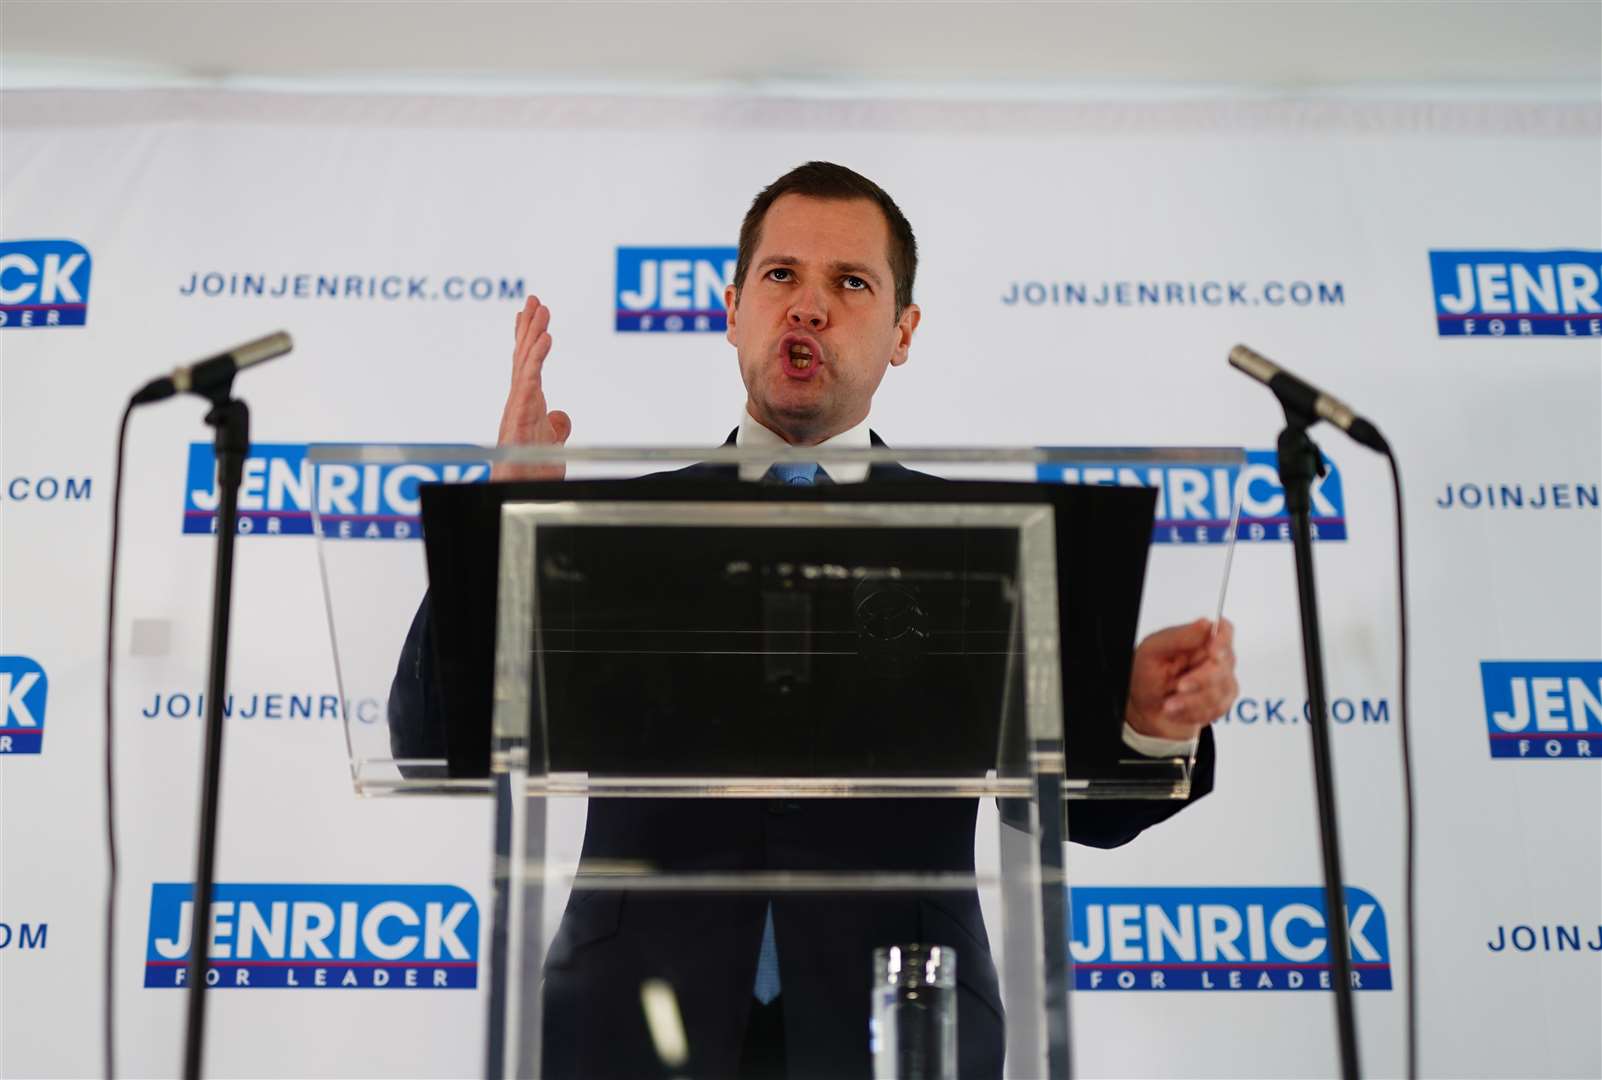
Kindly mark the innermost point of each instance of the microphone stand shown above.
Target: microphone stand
(231, 419)
(1299, 462)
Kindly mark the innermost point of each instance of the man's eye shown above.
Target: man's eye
(774, 274)
(853, 283)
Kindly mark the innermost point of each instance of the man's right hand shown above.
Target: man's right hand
(526, 420)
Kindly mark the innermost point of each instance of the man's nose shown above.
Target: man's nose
(809, 310)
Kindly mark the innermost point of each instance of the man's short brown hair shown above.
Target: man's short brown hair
(826, 180)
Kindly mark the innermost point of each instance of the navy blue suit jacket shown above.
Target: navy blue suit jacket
(705, 945)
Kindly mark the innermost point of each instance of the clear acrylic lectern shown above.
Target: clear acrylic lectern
(740, 735)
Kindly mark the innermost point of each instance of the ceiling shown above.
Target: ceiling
(805, 46)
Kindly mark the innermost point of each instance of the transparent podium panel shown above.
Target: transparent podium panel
(367, 520)
(741, 736)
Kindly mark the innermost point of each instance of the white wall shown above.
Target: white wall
(159, 186)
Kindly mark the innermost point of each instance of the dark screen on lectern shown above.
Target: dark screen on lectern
(831, 651)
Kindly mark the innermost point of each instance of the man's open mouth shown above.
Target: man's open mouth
(799, 353)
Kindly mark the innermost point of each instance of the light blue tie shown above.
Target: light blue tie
(798, 473)
(766, 986)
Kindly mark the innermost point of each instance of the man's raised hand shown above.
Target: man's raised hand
(526, 420)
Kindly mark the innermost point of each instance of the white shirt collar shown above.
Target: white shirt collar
(753, 435)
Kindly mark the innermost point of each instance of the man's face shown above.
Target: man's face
(816, 326)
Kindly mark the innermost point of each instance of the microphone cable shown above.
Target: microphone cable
(109, 989)
(1410, 868)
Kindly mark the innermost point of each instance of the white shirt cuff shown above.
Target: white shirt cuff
(1152, 746)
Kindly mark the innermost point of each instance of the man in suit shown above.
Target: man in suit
(819, 310)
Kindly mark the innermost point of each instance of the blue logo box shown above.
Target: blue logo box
(1517, 293)
(1543, 709)
(1194, 501)
(1220, 938)
(43, 283)
(357, 502)
(673, 289)
(318, 936)
(23, 691)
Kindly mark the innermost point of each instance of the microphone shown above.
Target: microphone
(213, 375)
(1306, 398)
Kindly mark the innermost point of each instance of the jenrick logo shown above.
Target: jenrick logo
(673, 289)
(43, 283)
(396, 937)
(1194, 501)
(1543, 708)
(1209, 938)
(23, 689)
(355, 502)
(1517, 293)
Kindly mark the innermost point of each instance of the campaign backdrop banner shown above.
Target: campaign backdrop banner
(1084, 269)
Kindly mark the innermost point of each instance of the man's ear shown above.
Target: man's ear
(905, 325)
(731, 300)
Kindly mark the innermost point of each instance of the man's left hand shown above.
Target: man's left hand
(1183, 679)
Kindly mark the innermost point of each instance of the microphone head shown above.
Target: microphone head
(1253, 363)
(264, 348)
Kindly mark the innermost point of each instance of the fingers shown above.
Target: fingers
(533, 342)
(1176, 639)
(1213, 673)
(1202, 694)
(522, 321)
(1210, 656)
(1219, 646)
(530, 362)
(524, 418)
(1200, 708)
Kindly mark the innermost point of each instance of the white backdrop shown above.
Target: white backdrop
(158, 188)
